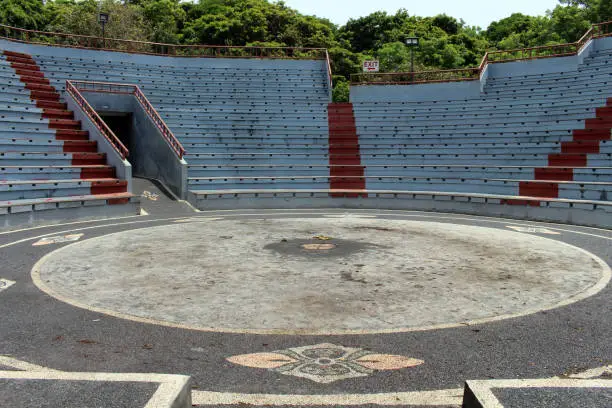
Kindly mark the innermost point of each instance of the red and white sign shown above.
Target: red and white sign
(371, 66)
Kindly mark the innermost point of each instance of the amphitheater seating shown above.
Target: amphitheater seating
(545, 136)
(255, 132)
(46, 160)
(267, 122)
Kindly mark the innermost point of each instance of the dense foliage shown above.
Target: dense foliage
(446, 42)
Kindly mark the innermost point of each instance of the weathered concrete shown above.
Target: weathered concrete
(394, 275)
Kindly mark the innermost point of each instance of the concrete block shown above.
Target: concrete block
(584, 206)
(555, 204)
(444, 198)
(45, 206)
(93, 203)
(69, 204)
(21, 209)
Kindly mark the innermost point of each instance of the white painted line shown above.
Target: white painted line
(21, 365)
(5, 284)
(591, 373)
(67, 223)
(421, 398)
(172, 387)
(196, 219)
(533, 230)
(483, 389)
(60, 239)
(350, 216)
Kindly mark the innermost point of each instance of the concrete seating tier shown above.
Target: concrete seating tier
(588, 174)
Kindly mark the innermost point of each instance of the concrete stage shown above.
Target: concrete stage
(351, 274)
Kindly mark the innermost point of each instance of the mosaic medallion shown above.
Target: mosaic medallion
(325, 363)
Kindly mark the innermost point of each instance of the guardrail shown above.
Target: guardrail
(420, 77)
(97, 120)
(131, 89)
(329, 70)
(152, 48)
(469, 74)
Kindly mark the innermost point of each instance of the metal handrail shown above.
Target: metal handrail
(548, 51)
(132, 89)
(97, 120)
(154, 48)
(329, 70)
(417, 77)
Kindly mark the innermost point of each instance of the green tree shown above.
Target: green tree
(22, 13)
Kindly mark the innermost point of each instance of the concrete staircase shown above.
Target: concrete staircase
(345, 169)
(47, 160)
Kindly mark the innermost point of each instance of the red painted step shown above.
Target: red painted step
(591, 146)
(51, 105)
(591, 134)
(44, 96)
(605, 112)
(34, 80)
(346, 171)
(342, 171)
(26, 67)
(83, 159)
(109, 187)
(524, 203)
(97, 172)
(21, 61)
(80, 146)
(538, 189)
(567, 160)
(344, 150)
(16, 54)
(118, 201)
(57, 114)
(40, 87)
(598, 123)
(64, 124)
(554, 173)
(29, 73)
(71, 134)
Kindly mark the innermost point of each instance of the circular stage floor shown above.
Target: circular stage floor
(340, 275)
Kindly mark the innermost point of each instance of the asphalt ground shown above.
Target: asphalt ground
(39, 329)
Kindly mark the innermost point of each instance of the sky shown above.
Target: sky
(473, 12)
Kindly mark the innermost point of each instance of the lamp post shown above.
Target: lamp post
(103, 18)
(412, 42)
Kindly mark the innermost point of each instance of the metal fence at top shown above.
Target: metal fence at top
(152, 48)
(469, 74)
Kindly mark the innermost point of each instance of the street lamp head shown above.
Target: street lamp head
(412, 41)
